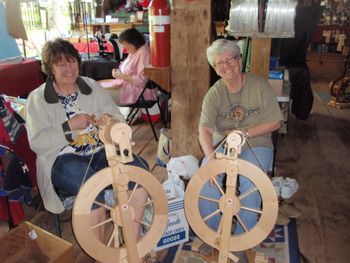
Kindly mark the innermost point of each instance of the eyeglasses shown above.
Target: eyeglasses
(228, 61)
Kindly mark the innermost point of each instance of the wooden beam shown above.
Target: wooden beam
(190, 36)
(260, 56)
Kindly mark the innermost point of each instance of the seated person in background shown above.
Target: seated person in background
(237, 101)
(62, 117)
(131, 80)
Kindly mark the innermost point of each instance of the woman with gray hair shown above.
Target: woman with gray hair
(237, 101)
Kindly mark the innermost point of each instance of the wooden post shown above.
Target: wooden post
(190, 36)
(260, 56)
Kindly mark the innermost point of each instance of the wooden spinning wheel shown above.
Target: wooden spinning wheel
(229, 205)
(116, 247)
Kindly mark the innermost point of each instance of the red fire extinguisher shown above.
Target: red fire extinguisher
(159, 29)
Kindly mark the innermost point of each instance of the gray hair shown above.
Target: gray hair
(220, 46)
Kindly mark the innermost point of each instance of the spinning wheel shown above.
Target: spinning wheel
(229, 205)
(116, 247)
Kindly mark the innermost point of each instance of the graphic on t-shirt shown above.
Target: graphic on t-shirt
(86, 140)
(238, 113)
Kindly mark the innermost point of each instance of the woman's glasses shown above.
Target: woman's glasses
(228, 61)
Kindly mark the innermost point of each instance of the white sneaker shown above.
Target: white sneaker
(277, 184)
(289, 188)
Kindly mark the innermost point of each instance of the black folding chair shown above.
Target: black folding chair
(142, 103)
(114, 40)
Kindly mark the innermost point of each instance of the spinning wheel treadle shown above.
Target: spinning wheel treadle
(230, 203)
(122, 216)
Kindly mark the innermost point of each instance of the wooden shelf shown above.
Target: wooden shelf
(113, 27)
(117, 27)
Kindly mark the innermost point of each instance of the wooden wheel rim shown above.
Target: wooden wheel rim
(269, 205)
(82, 208)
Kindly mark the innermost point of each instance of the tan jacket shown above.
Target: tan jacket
(44, 118)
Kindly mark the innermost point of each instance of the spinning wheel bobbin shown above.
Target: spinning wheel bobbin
(117, 140)
(229, 205)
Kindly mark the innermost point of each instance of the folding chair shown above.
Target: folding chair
(142, 103)
(116, 46)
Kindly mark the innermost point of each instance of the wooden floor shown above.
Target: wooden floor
(315, 152)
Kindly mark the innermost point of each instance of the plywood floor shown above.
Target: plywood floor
(315, 152)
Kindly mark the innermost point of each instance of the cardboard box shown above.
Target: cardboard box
(169, 189)
(177, 230)
(29, 243)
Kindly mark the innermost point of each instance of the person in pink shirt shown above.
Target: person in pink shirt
(130, 78)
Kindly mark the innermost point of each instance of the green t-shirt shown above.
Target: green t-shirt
(257, 100)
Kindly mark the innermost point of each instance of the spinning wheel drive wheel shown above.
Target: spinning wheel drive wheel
(230, 203)
(113, 249)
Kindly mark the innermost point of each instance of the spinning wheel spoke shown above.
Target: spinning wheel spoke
(133, 191)
(115, 231)
(103, 205)
(241, 223)
(247, 193)
(211, 215)
(143, 205)
(142, 223)
(220, 226)
(218, 186)
(251, 209)
(209, 199)
(102, 223)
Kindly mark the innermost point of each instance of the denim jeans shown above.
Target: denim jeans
(69, 169)
(262, 158)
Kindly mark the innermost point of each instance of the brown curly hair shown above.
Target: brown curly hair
(54, 51)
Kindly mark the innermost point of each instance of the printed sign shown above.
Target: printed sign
(177, 230)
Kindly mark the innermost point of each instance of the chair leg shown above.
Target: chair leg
(274, 137)
(57, 223)
(131, 115)
(161, 115)
(10, 218)
(152, 124)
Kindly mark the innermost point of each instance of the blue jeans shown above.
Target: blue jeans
(69, 169)
(264, 156)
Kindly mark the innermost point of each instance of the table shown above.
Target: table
(98, 69)
(283, 98)
(161, 76)
(93, 47)
(21, 78)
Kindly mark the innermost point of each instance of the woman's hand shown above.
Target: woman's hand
(116, 73)
(105, 118)
(80, 121)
